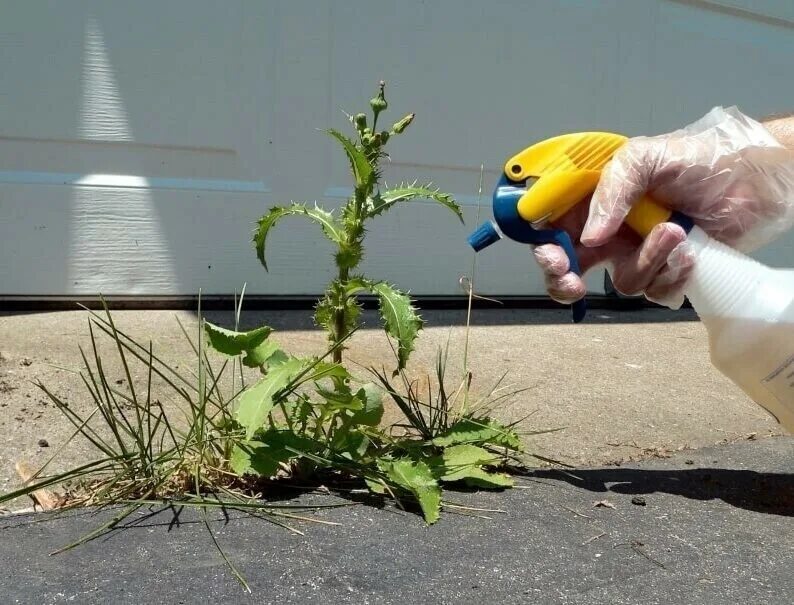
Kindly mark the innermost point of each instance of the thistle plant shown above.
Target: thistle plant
(304, 417)
(338, 311)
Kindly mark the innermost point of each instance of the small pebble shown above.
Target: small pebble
(26, 361)
(638, 500)
(44, 443)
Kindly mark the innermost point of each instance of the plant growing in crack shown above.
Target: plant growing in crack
(303, 417)
(338, 311)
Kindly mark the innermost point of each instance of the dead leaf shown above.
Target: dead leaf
(603, 504)
(46, 499)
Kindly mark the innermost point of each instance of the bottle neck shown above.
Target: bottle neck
(723, 280)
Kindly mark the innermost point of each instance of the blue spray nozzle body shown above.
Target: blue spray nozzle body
(485, 235)
(505, 210)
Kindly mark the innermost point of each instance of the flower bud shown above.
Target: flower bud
(379, 103)
(360, 120)
(403, 124)
(384, 135)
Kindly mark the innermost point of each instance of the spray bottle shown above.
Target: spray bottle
(746, 307)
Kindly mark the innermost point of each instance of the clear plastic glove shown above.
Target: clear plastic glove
(726, 171)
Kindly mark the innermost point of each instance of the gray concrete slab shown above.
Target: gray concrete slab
(717, 527)
(623, 385)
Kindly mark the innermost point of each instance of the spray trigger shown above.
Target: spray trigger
(507, 222)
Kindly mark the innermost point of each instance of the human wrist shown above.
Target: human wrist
(781, 127)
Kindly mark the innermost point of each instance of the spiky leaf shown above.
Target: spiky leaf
(264, 455)
(268, 353)
(257, 401)
(464, 463)
(321, 369)
(340, 399)
(352, 445)
(359, 164)
(400, 319)
(479, 431)
(324, 314)
(411, 191)
(253, 457)
(255, 344)
(416, 478)
(376, 487)
(349, 255)
(331, 227)
(466, 455)
(399, 316)
(372, 412)
(230, 342)
(475, 476)
(326, 308)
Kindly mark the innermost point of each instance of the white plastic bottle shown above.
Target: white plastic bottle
(748, 311)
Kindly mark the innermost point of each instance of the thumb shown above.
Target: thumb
(623, 182)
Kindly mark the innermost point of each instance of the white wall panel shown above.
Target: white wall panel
(140, 140)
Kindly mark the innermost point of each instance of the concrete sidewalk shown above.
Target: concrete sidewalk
(711, 527)
(623, 385)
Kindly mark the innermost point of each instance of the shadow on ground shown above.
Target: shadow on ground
(301, 318)
(770, 493)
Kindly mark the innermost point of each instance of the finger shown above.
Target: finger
(623, 245)
(570, 287)
(624, 180)
(567, 288)
(670, 295)
(552, 259)
(563, 285)
(638, 270)
(668, 287)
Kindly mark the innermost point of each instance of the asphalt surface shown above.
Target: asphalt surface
(713, 526)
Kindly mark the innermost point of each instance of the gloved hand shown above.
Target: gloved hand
(726, 171)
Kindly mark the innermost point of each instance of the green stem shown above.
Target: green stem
(339, 315)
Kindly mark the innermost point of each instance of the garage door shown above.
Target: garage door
(139, 141)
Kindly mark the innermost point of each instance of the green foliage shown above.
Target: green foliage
(371, 412)
(479, 430)
(400, 319)
(230, 342)
(407, 192)
(416, 478)
(164, 435)
(306, 414)
(332, 229)
(267, 453)
(465, 463)
(338, 311)
(257, 401)
(254, 344)
(359, 165)
(303, 416)
(265, 354)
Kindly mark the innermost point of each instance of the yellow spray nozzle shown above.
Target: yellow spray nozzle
(564, 170)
